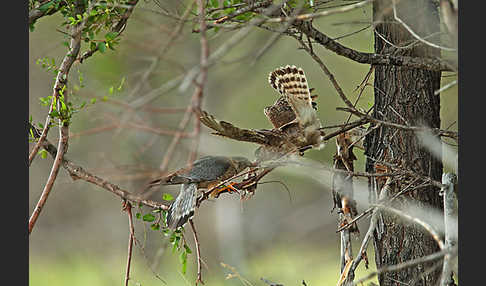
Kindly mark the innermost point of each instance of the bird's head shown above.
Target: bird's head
(241, 163)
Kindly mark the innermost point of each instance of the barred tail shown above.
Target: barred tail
(182, 209)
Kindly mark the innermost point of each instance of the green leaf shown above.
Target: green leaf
(138, 215)
(155, 226)
(149, 217)
(188, 250)
(92, 46)
(54, 113)
(183, 260)
(43, 8)
(110, 90)
(43, 153)
(111, 35)
(102, 47)
(184, 267)
(167, 197)
(121, 84)
(93, 100)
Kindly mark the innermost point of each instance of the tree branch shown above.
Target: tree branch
(370, 58)
(39, 12)
(59, 90)
(128, 208)
(77, 172)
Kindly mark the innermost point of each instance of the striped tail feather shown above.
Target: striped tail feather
(182, 209)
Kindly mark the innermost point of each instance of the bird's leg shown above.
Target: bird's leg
(228, 188)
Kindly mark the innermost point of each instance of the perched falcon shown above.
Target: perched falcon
(293, 115)
(205, 173)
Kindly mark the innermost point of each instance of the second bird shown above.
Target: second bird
(205, 173)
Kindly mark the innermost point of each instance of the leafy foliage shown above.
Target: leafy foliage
(176, 237)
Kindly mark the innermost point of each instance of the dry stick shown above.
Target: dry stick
(327, 72)
(345, 127)
(448, 179)
(374, 217)
(414, 34)
(60, 84)
(437, 131)
(77, 172)
(319, 14)
(350, 223)
(37, 13)
(408, 263)
(227, 46)
(424, 225)
(250, 7)
(198, 253)
(128, 208)
(203, 75)
(173, 36)
(371, 58)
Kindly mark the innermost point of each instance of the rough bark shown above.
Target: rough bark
(410, 93)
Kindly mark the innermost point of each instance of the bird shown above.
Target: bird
(290, 82)
(296, 126)
(204, 173)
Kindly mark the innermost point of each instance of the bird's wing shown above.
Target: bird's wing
(227, 129)
(290, 81)
(209, 168)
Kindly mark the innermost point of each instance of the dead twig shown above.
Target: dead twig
(77, 172)
(198, 253)
(128, 208)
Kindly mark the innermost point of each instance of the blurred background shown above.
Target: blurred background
(284, 236)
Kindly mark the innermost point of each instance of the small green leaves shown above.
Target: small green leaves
(121, 84)
(42, 153)
(155, 226)
(149, 217)
(110, 36)
(138, 215)
(167, 197)
(102, 47)
(183, 260)
(48, 64)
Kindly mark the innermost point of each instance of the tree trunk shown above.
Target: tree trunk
(404, 96)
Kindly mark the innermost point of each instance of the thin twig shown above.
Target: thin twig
(371, 58)
(416, 220)
(302, 17)
(409, 263)
(128, 208)
(77, 172)
(198, 253)
(436, 131)
(410, 30)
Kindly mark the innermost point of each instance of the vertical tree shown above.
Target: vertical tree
(404, 96)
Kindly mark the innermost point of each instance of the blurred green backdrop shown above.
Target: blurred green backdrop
(81, 236)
